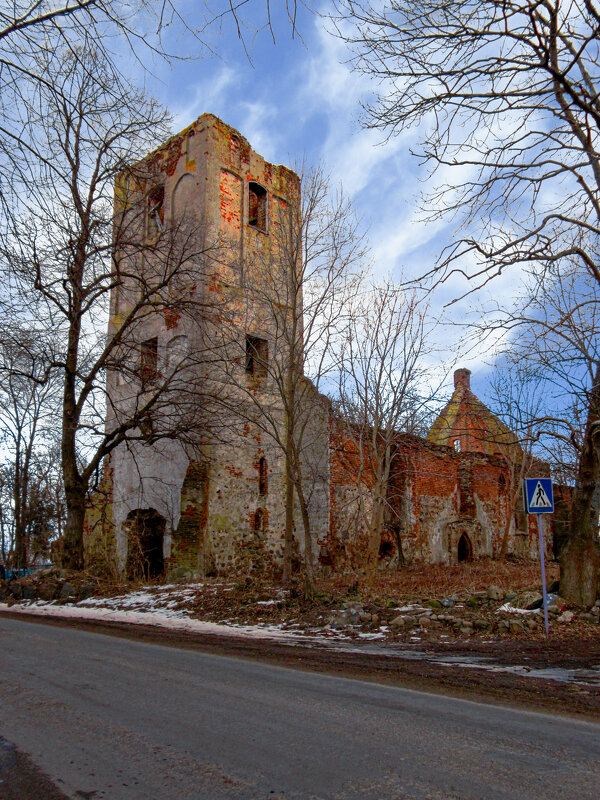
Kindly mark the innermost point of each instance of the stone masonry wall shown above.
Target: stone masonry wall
(216, 519)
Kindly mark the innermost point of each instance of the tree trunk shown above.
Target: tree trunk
(380, 494)
(375, 529)
(309, 577)
(290, 418)
(289, 519)
(20, 551)
(20, 544)
(579, 566)
(505, 538)
(580, 557)
(72, 556)
(75, 487)
(400, 561)
(19, 478)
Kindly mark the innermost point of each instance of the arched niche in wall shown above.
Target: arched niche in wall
(464, 549)
(176, 350)
(182, 199)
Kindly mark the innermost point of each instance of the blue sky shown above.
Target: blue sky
(297, 98)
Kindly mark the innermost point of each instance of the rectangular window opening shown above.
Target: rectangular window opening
(257, 206)
(263, 481)
(147, 427)
(257, 356)
(156, 212)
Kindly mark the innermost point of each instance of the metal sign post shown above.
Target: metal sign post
(538, 499)
(544, 592)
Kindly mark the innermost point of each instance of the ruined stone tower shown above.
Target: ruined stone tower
(201, 501)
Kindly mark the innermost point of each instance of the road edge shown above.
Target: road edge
(479, 685)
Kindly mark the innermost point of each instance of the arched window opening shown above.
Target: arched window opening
(257, 356)
(149, 361)
(145, 540)
(257, 206)
(502, 482)
(263, 481)
(386, 550)
(465, 549)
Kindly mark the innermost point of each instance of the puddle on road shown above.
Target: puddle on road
(580, 677)
(587, 677)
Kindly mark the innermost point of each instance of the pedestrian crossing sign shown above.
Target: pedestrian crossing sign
(537, 496)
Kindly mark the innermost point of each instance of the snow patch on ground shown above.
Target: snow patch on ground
(142, 600)
(508, 609)
(104, 609)
(174, 620)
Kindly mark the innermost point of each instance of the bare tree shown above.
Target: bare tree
(506, 94)
(66, 245)
(382, 393)
(516, 390)
(558, 334)
(28, 408)
(7, 527)
(120, 30)
(141, 23)
(40, 515)
(296, 297)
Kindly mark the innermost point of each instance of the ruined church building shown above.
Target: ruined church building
(224, 512)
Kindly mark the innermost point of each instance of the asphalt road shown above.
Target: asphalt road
(118, 719)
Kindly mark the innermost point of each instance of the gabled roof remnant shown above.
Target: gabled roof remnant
(467, 424)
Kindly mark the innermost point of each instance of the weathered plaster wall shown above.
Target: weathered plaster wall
(99, 539)
(216, 518)
(315, 465)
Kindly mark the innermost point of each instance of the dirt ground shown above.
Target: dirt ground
(21, 779)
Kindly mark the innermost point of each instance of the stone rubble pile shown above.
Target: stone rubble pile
(61, 586)
(483, 612)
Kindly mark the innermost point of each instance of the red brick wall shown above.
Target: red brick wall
(435, 494)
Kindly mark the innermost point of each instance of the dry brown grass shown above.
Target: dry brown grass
(435, 581)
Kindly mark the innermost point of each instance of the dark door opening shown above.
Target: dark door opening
(465, 548)
(146, 535)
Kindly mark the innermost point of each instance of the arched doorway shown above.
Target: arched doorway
(145, 539)
(465, 549)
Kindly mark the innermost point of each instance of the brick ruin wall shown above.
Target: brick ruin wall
(436, 495)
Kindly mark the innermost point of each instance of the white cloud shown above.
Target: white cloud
(207, 95)
(260, 128)
(308, 104)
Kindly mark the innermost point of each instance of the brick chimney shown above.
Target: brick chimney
(462, 378)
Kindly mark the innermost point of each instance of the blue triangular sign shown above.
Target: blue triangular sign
(539, 496)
